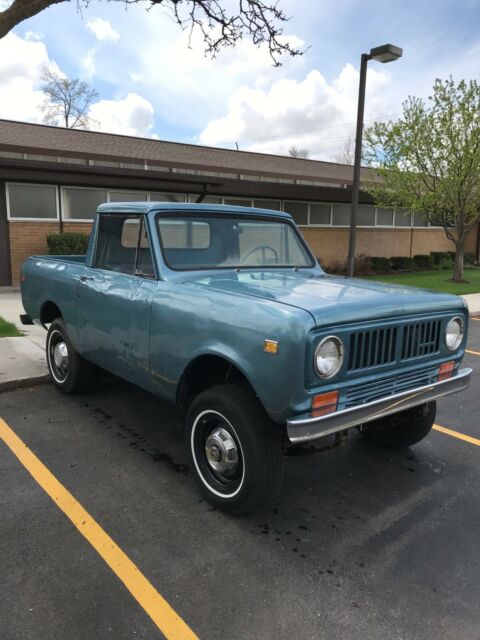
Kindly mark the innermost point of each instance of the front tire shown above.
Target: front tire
(235, 449)
(403, 429)
(69, 371)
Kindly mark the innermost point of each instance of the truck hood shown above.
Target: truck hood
(332, 299)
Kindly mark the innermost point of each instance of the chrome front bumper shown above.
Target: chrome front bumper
(304, 429)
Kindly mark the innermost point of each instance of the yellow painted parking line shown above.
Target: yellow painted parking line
(473, 353)
(457, 434)
(162, 614)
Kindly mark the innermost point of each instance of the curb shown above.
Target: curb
(11, 385)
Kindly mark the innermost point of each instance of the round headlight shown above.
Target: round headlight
(329, 357)
(454, 333)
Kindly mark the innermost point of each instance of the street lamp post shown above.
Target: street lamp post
(385, 53)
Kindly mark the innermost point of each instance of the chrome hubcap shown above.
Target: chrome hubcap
(60, 356)
(221, 452)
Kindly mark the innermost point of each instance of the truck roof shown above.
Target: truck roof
(150, 207)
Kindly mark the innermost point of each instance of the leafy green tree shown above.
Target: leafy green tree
(221, 23)
(429, 160)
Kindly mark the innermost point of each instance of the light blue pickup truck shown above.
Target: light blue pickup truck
(225, 312)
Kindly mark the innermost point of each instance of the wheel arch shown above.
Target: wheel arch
(207, 370)
(49, 311)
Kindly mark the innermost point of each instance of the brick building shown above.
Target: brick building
(52, 179)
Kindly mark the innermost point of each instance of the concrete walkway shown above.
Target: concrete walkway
(22, 360)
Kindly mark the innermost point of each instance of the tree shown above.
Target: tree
(346, 153)
(66, 101)
(220, 26)
(295, 152)
(429, 160)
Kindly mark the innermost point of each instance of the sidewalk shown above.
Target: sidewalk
(473, 302)
(22, 360)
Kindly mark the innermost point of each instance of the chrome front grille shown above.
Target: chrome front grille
(370, 391)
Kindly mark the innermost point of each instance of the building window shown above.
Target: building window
(125, 196)
(32, 201)
(420, 219)
(384, 217)
(298, 211)
(366, 215)
(403, 218)
(341, 215)
(206, 200)
(157, 196)
(81, 204)
(268, 204)
(320, 214)
(238, 202)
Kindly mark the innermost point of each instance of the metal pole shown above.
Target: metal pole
(357, 162)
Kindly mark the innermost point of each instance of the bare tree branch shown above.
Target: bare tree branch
(220, 27)
(67, 102)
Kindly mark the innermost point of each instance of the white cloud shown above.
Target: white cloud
(21, 63)
(309, 113)
(88, 64)
(132, 115)
(34, 35)
(102, 29)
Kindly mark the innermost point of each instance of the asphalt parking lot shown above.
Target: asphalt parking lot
(363, 543)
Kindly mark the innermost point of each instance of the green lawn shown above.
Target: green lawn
(8, 330)
(438, 280)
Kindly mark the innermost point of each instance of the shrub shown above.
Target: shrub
(379, 263)
(447, 263)
(424, 262)
(403, 263)
(469, 257)
(67, 244)
(440, 256)
(363, 264)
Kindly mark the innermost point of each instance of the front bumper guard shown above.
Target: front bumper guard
(304, 429)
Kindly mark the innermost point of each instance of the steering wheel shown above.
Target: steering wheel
(262, 248)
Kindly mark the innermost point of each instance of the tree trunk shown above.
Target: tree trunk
(458, 268)
(20, 10)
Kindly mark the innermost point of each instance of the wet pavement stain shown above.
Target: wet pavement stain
(138, 442)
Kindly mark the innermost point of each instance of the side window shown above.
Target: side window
(122, 245)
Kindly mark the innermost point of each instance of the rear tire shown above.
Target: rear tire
(402, 429)
(235, 449)
(69, 371)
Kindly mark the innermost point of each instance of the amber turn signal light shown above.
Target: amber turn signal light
(324, 403)
(446, 370)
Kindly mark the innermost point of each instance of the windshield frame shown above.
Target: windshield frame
(175, 213)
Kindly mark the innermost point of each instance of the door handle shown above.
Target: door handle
(85, 278)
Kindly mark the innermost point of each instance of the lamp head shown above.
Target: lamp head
(386, 53)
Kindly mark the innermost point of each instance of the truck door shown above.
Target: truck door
(114, 297)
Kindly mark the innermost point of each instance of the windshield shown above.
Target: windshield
(215, 242)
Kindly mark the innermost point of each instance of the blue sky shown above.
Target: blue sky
(152, 84)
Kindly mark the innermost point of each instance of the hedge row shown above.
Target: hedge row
(420, 262)
(67, 244)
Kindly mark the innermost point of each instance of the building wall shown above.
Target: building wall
(30, 238)
(330, 246)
